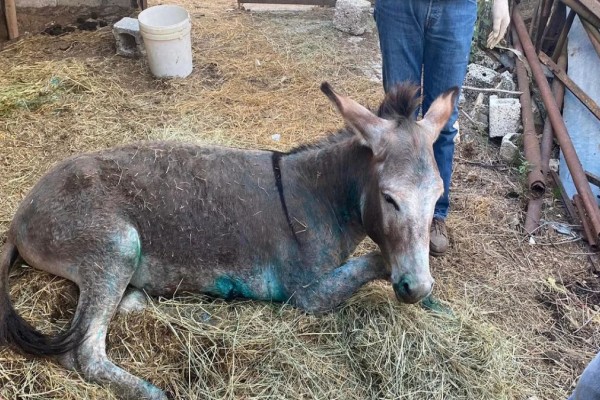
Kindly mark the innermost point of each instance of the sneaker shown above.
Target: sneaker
(438, 237)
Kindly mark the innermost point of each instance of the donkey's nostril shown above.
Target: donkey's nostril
(406, 287)
(410, 290)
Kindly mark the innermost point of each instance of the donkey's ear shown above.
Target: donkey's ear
(369, 126)
(439, 112)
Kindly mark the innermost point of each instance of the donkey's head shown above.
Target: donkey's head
(402, 183)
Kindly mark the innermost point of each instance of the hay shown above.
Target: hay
(195, 347)
(256, 76)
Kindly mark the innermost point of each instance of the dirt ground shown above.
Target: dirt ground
(539, 292)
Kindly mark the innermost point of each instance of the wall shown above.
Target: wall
(55, 3)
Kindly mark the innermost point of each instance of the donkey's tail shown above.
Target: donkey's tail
(17, 332)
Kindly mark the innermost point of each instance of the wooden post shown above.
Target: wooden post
(11, 19)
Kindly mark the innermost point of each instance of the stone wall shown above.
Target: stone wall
(55, 3)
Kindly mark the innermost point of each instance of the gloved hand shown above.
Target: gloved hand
(501, 19)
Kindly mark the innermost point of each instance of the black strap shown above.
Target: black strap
(275, 159)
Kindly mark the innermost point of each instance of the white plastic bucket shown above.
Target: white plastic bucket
(166, 33)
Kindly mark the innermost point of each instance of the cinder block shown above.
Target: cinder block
(480, 76)
(352, 16)
(504, 116)
(128, 37)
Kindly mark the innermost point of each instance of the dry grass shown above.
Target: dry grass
(256, 76)
(194, 347)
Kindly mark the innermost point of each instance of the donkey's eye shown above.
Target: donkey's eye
(390, 200)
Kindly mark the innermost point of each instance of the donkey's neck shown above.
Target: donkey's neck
(330, 178)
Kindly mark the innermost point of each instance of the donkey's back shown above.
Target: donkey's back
(189, 214)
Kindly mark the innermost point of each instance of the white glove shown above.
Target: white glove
(501, 18)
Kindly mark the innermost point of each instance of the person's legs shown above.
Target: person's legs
(401, 28)
(448, 38)
(448, 35)
(588, 387)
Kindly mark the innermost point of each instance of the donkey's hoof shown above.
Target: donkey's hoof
(133, 301)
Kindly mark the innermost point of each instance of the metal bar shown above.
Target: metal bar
(534, 19)
(593, 34)
(594, 179)
(558, 91)
(330, 3)
(541, 30)
(593, 6)
(583, 11)
(587, 230)
(562, 39)
(587, 101)
(531, 145)
(572, 213)
(554, 27)
(532, 218)
(534, 208)
(560, 130)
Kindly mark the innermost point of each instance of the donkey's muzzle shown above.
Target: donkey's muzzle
(410, 290)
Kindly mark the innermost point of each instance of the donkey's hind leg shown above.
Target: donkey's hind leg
(101, 302)
(100, 291)
(335, 287)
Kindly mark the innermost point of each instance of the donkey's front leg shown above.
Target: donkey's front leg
(335, 287)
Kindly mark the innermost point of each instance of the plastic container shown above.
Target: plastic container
(166, 33)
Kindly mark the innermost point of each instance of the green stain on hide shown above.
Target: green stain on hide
(275, 291)
(263, 285)
(230, 288)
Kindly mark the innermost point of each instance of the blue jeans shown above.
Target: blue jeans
(433, 38)
(588, 387)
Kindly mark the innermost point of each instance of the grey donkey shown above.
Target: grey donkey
(163, 217)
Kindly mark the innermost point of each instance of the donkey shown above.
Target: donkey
(163, 217)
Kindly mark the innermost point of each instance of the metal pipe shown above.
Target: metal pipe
(562, 39)
(582, 11)
(558, 91)
(585, 223)
(531, 145)
(532, 218)
(593, 34)
(560, 130)
(559, 73)
(535, 17)
(593, 179)
(534, 207)
(555, 25)
(592, 5)
(541, 30)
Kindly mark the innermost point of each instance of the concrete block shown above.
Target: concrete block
(352, 16)
(128, 37)
(509, 148)
(504, 117)
(480, 76)
(505, 82)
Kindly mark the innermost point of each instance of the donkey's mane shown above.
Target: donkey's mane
(338, 137)
(400, 103)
